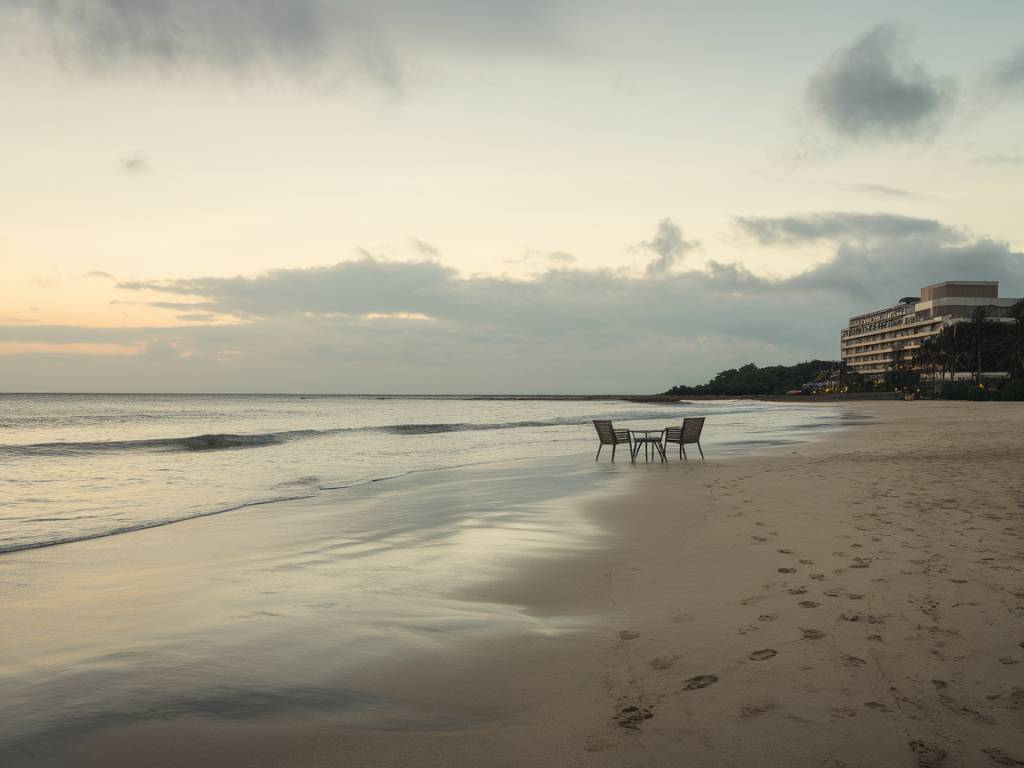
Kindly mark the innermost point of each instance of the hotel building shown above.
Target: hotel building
(872, 343)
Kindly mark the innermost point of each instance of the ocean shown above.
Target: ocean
(76, 467)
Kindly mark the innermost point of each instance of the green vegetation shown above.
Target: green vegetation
(969, 347)
(977, 346)
(770, 380)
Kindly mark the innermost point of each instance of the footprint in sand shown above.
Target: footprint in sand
(875, 638)
(768, 617)
(998, 757)
(808, 604)
(662, 662)
(855, 597)
(877, 706)
(833, 593)
(843, 712)
(628, 635)
(1008, 660)
(926, 755)
(787, 570)
(807, 562)
(759, 538)
(633, 716)
(752, 710)
(700, 681)
(797, 590)
(853, 661)
(818, 576)
(812, 634)
(784, 551)
(763, 654)
(681, 618)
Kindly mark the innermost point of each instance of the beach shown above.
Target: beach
(853, 600)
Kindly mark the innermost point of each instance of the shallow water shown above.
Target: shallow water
(81, 466)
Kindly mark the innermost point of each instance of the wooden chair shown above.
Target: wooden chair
(608, 435)
(687, 434)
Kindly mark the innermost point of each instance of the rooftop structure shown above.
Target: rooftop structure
(877, 342)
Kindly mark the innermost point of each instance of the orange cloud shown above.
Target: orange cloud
(46, 348)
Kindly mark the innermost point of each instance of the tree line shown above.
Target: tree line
(751, 380)
(978, 346)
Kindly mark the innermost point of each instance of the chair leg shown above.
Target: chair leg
(701, 452)
(599, 447)
(685, 457)
(614, 446)
(680, 451)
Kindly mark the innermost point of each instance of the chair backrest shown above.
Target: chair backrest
(692, 428)
(605, 432)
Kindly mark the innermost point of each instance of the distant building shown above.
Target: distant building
(872, 343)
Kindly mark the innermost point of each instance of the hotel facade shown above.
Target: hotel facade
(876, 342)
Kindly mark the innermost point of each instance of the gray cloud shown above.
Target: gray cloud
(135, 163)
(872, 90)
(669, 247)
(99, 275)
(424, 248)
(197, 317)
(1006, 77)
(353, 326)
(326, 40)
(841, 226)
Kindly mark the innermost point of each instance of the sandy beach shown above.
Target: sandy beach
(855, 601)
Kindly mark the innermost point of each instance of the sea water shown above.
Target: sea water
(75, 467)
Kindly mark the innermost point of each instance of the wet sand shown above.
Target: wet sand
(857, 601)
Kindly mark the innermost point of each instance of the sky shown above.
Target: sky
(475, 196)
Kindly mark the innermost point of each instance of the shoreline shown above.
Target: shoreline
(686, 586)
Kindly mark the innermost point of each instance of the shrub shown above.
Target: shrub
(964, 390)
(1013, 391)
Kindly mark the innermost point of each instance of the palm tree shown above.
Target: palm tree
(978, 316)
(1016, 342)
(930, 356)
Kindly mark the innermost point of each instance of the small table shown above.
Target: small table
(650, 437)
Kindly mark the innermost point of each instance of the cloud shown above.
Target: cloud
(840, 226)
(881, 190)
(560, 258)
(999, 159)
(329, 41)
(371, 325)
(97, 274)
(424, 248)
(1006, 77)
(136, 163)
(544, 259)
(872, 90)
(669, 247)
